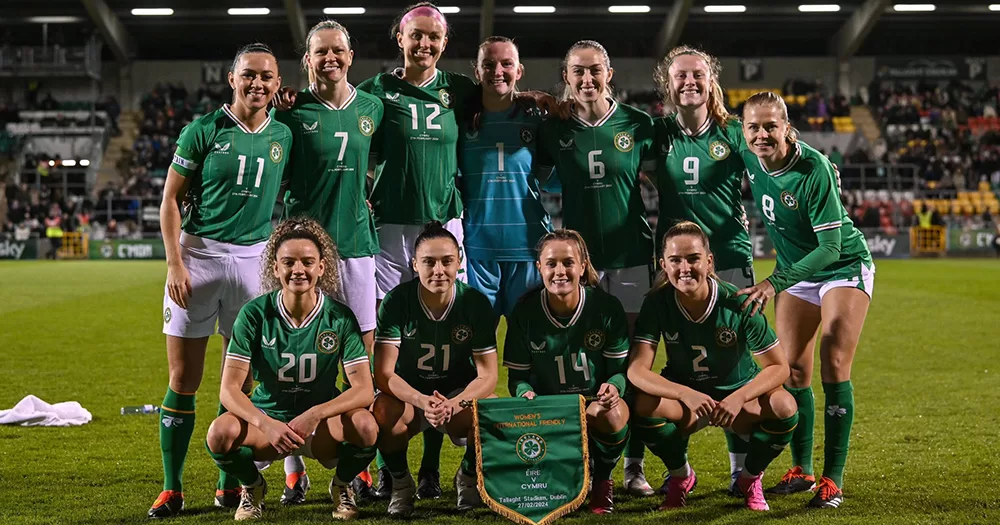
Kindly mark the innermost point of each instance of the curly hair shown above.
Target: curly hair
(716, 100)
(309, 229)
(590, 277)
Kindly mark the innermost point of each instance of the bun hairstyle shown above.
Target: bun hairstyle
(323, 25)
(678, 230)
(586, 44)
(256, 47)
(435, 230)
(590, 277)
(768, 98)
(716, 99)
(308, 229)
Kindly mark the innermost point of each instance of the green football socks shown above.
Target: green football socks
(802, 437)
(352, 460)
(238, 464)
(606, 450)
(176, 427)
(664, 439)
(767, 440)
(431, 460)
(838, 419)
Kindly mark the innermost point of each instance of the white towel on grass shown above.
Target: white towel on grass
(32, 411)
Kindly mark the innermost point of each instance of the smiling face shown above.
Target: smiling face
(562, 266)
(330, 55)
(422, 40)
(255, 79)
(436, 263)
(690, 80)
(686, 263)
(298, 266)
(587, 74)
(765, 127)
(498, 68)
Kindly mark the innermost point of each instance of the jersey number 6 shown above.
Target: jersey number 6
(595, 166)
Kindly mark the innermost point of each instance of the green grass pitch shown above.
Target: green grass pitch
(924, 449)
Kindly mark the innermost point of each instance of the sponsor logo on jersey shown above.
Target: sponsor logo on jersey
(276, 152)
(445, 97)
(594, 339)
(219, 148)
(527, 136)
(472, 134)
(309, 127)
(327, 342)
(461, 334)
(540, 347)
(789, 200)
(167, 316)
(366, 125)
(749, 174)
(268, 343)
(671, 337)
(725, 336)
(624, 142)
(566, 144)
(392, 96)
(718, 150)
(410, 331)
(530, 448)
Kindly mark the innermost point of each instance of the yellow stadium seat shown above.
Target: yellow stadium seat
(984, 186)
(918, 205)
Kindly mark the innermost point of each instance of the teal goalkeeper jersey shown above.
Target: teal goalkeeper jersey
(417, 147)
(598, 167)
(699, 178)
(436, 353)
(575, 355)
(235, 176)
(327, 171)
(296, 367)
(713, 351)
(800, 200)
(504, 217)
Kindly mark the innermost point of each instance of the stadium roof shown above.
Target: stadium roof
(200, 29)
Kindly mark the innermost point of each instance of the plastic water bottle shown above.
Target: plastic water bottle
(140, 409)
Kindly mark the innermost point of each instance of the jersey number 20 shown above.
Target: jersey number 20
(307, 368)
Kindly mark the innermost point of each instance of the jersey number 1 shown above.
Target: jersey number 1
(243, 165)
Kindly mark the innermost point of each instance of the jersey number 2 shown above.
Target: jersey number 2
(307, 368)
(702, 355)
(243, 165)
(422, 362)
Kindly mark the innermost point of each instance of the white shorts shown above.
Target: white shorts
(629, 285)
(394, 263)
(223, 278)
(814, 292)
(357, 289)
(738, 277)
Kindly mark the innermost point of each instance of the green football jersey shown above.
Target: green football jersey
(328, 168)
(798, 201)
(417, 147)
(436, 354)
(295, 366)
(567, 356)
(235, 176)
(598, 167)
(714, 351)
(699, 179)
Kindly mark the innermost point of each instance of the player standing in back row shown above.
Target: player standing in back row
(823, 280)
(228, 167)
(333, 124)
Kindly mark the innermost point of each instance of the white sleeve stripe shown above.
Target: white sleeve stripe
(827, 226)
(389, 340)
(645, 340)
(768, 349)
(237, 357)
(616, 356)
(516, 366)
(358, 361)
(184, 163)
(485, 351)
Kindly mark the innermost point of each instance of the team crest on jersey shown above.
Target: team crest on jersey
(276, 152)
(624, 142)
(530, 448)
(718, 150)
(527, 136)
(725, 336)
(445, 97)
(461, 334)
(167, 316)
(594, 339)
(789, 200)
(327, 342)
(366, 125)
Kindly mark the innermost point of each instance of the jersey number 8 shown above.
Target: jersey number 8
(767, 207)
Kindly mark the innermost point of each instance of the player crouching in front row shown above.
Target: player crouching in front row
(294, 337)
(711, 377)
(571, 337)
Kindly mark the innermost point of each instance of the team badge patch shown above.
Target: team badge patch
(594, 339)
(167, 316)
(445, 97)
(366, 125)
(725, 337)
(327, 342)
(718, 150)
(789, 200)
(624, 142)
(527, 136)
(107, 250)
(461, 334)
(530, 448)
(275, 152)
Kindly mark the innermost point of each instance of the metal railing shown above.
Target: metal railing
(52, 61)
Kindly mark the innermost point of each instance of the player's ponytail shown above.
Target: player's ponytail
(435, 230)
(716, 98)
(769, 98)
(590, 277)
(308, 229)
(678, 230)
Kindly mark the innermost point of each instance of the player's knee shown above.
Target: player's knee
(799, 376)
(385, 412)
(366, 428)
(645, 404)
(221, 434)
(783, 404)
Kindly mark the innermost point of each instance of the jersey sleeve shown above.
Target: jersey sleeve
(647, 328)
(389, 321)
(484, 332)
(245, 330)
(192, 148)
(646, 140)
(759, 335)
(352, 347)
(517, 357)
(543, 162)
(824, 207)
(368, 86)
(616, 348)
